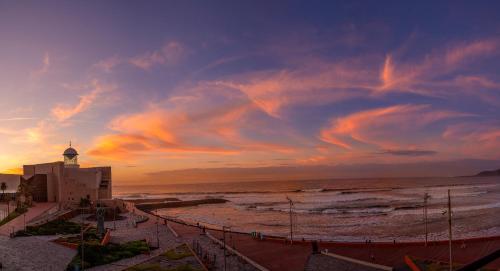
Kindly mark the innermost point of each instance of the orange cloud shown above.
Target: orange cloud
(470, 50)
(480, 140)
(197, 123)
(17, 171)
(387, 128)
(414, 76)
(314, 83)
(64, 112)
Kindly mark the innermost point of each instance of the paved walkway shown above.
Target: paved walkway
(123, 235)
(191, 235)
(320, 262)
(18, 223)
(33, 253)
(277, 255)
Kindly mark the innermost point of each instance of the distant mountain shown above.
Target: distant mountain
(488, 173)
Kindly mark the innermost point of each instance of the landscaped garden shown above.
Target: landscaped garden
(96, 254)
(51, 228)
(177, 259)
(90, 235)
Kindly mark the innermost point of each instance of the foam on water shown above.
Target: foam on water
(343, 210)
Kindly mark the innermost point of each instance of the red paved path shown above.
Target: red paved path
(276, 255)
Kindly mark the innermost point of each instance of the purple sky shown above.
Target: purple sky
(153, 86)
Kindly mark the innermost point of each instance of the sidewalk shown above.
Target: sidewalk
(18, 223)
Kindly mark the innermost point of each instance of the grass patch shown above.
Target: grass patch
(178, 253)
(95, 254)
(89, 236)
(13, 215)
(51, 228)
(176, 259)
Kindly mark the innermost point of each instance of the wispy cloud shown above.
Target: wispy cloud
(169, 54)
(108, 64)
(474, 139)
(420, 76)
(314, 83)
(44, 67)
(213, 122)
(16, 119)
(64, 112)
(387, 127)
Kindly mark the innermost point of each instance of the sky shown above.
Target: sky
(157, 89)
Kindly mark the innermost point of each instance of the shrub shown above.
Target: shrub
(52, 228)
(96, 254)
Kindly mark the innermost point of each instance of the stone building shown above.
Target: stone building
(67, 182)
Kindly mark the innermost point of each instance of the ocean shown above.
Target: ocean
(379, 209)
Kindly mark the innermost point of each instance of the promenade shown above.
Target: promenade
(278, 255)
(38, 253)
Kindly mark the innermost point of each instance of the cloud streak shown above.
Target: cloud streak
(63, 112)
(171, 53)
(385, 127)
(46, 63)
(210, 122)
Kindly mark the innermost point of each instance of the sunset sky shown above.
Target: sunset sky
(154, 86)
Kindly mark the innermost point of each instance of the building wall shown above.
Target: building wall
(38, 182)
(80, 183)
(70, 184)
(105, 188)
(54, 172)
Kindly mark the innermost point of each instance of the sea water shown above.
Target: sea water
(341, 209)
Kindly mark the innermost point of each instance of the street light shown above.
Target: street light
(224, 241)
(157, 230)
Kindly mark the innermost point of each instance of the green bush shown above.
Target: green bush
(52, 228)
(95, 254)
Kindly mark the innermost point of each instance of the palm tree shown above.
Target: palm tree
(3, 187)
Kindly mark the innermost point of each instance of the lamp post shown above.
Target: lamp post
(224, 241)
(157, 230)
(82, 241)
(449, 229)
(426, 197)
(291, 221)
